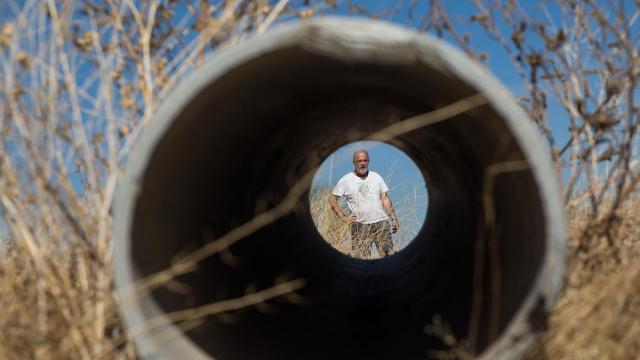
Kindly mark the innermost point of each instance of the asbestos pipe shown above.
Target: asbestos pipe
(242, 129)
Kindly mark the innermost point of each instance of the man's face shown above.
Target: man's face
(361, 163)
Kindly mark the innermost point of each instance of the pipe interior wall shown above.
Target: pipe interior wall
(219, 158)
(251, 134)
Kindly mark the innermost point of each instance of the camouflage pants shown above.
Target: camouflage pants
(362, 235)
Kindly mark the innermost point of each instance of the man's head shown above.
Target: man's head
(361, 162)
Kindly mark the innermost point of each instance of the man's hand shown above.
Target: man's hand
(349, 219)
(333, 200)
(394, 226)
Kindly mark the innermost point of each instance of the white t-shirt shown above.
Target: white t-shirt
(363, 196)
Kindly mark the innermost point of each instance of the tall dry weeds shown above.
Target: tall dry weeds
(81, 80)
(338, 233)
(598, 314)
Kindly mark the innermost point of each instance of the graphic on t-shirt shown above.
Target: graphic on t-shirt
(364, 189)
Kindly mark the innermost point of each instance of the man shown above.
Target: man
(371, 208)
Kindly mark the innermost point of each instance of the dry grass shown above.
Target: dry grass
(68, 311)
(58, 123)
(335, 231)
(598, 314)
(338, 233)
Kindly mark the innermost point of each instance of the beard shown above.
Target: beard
(362, 172)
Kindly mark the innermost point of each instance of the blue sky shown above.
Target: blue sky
(385, 159)
(499, 64)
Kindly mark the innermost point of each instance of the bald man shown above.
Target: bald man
(370, 206)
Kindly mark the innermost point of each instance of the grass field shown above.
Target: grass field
(338, 233)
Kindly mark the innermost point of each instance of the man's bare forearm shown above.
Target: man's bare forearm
(336, 208)
(388, 206)
(334, 205)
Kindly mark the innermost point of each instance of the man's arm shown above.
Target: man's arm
(388, 207)
(336, 208)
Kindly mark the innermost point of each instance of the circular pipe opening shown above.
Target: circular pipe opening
(406, 191)
(236, 137)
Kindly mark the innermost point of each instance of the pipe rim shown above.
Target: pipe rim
(313, 34)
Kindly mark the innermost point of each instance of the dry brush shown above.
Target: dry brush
(81, 80)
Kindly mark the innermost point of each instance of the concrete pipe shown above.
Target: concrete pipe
(249, 124)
